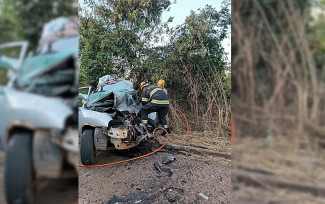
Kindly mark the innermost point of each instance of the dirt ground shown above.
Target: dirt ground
(63, 191)
(139, 182)
(274, 171)
(257, 195)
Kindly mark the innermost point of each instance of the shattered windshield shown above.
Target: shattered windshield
(49, 74)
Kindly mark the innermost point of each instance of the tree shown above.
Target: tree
(198, 57)
(24, 19)
(115, 38)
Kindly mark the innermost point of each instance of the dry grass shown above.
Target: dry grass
(207, 105)
(210, 140)
(276, 156)
(212, 133)
(264, 196)
(278, 89)
(277, 92)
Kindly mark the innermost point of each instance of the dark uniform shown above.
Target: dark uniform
(154, 99)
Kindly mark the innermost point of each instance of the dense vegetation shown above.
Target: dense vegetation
(22, 20)
(124, 38)
(278, 84)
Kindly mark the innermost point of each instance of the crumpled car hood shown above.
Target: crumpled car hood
(119, 95)
(41, 65)
(102, 98)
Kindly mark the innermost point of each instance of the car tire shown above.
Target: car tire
(19, 177)
(87, 147)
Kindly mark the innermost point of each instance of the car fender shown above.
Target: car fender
(92, 118)
(31, 111)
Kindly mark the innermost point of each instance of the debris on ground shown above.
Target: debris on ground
(204, 196)
(115, 199)
(138, 201)
(161, 169)
(157, 166)
(189, 173)
(168, 159)
(150, 135)
(173, 194)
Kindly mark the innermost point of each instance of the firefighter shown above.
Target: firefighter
(154, 99)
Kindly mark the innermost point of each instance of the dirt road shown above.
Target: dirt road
(271, 171)
(63, 191)
(139, 182)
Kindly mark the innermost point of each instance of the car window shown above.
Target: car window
(11, 57)
(3, 77)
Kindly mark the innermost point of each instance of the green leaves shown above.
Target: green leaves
(24, 19)
(117, 37)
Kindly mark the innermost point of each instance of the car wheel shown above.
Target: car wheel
(19, 169)
(87, 147)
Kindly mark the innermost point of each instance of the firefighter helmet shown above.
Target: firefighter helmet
(161, 83)
(144, 84)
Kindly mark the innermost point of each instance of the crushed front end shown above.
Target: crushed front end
(111, 112)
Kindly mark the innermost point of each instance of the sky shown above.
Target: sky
(182, 9)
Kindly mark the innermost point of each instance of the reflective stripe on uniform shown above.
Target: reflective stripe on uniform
(165, 126)
(162, 102)
(145, 121)
(154, 91)
(145, 99)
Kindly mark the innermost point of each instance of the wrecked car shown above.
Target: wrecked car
(38, 114)
(108, 118)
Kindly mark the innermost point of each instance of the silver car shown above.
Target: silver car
(38, 109)
(108, 118)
